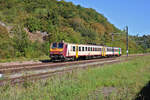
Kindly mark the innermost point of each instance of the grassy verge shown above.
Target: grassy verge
(21, 59)
(126, 79)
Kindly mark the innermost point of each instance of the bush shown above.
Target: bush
(33, 24)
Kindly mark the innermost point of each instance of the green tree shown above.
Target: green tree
(20, 39)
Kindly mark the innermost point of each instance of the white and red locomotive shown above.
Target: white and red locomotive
(68, 51)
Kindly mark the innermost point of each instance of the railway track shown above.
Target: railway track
(19, 73)
(19, 68)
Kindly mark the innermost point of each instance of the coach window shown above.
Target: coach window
(82, 48)
(100, 49)
(88, 48)
(74, 48)
(85, 48)
(79, 48)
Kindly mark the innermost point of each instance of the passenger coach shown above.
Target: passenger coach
(68, 51)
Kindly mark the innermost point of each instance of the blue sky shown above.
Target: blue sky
(132, 13)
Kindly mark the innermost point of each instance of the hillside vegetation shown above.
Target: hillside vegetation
(60, 20)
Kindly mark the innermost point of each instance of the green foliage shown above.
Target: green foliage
(33, 24)
(20, 39)
(61, 20)
(50, 15)
(143, 41)
(19, 45)
(6, 48)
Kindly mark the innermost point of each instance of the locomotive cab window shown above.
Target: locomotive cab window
(54, 45)
(57, 45)
(60, 45)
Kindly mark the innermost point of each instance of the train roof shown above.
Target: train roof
(92, 45)
(87, 44)
(84, 44)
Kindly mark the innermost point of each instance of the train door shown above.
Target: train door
(104, 51)
(113, 51)
(77, 51)
(119, 52)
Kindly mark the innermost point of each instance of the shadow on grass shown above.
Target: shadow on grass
(144, 94)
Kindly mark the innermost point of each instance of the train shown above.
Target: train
(62, 51)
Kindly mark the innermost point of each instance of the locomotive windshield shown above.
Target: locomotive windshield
(57, 45)
(54, 45)
(60, 45)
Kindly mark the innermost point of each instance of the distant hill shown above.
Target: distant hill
(60, 20)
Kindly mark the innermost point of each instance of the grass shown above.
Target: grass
(127, 78)
(21, 59)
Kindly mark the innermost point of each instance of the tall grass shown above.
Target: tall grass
(127, 78)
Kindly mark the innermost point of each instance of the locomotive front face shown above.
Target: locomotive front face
(56, 51)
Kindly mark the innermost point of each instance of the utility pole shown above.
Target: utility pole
(127, 40)
(112, 42)
(112, 37)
